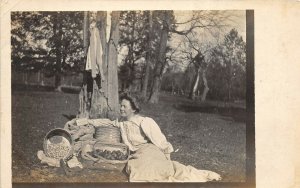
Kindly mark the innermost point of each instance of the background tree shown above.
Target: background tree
(199, 65)
(47, 41)
(174, 81)
(149, 55)
(143, 36)
(162, 24)
(234, 59)
(65, 43)
(133, 37)
(227, 70)
(52, 42)
(25, 55)
(199, 20)
(195, 51)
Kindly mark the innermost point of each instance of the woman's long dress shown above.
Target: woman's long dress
(149, 161)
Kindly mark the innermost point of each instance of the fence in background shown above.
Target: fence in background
(40, 79)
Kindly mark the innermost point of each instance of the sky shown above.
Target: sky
(237, 20)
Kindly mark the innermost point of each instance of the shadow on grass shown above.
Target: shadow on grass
(237, 114)
(22, 87)
(69, 117)
(65, 89)
(70, 89)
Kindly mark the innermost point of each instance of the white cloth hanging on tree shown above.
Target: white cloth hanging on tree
(108, 25)
(94, 55)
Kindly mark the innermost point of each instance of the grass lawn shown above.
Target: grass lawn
(205, 135)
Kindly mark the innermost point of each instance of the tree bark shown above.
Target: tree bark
(160, 65)
(131, 57)
(104, 101)
(148, 60)
(206, 88)
(195, 84)
(86, 32)
(57, 30)
(155, 90)
(173, 88)
(229, 81)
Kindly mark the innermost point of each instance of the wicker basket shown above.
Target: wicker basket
(108, 134)
(117, 147)
(58, 144)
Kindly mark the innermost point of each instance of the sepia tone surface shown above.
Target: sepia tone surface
(276, 89)
(207, 134)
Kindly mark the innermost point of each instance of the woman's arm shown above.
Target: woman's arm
(101, 122)
(153, 132)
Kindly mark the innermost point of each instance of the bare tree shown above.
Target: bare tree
(207, 20)
(197, 53)
(204, 19)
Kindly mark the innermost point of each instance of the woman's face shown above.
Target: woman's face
(126, 109)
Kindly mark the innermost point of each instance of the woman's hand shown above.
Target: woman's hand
(116, 123)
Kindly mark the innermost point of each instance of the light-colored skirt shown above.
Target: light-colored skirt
(149, 164)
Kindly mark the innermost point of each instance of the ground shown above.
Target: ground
(207, 135)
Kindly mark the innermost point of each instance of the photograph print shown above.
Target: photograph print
(133, 96)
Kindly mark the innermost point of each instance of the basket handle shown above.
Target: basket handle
(88, 157)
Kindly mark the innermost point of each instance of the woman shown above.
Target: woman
(138, 131)
(150, 160)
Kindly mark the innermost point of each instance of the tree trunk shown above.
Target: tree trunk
(86, 32)
(148, 60)
(104, 102)
(131, 58)
(39, 77)
(173, 88)
(206, 88)
(160, 65)
(57, 29)
(155, 90)
(229, 81)
(195, 84)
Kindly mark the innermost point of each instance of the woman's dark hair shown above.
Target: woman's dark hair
(133, 102)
